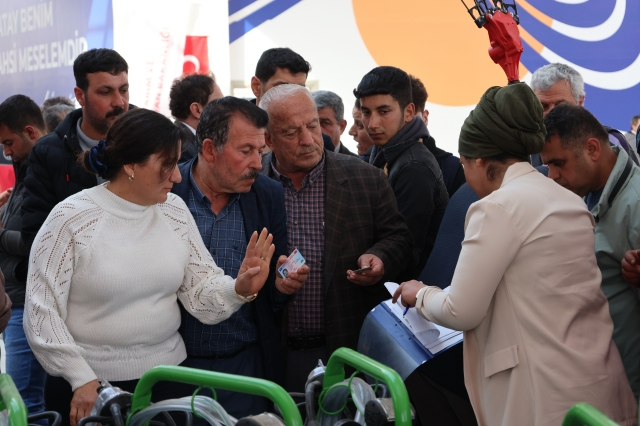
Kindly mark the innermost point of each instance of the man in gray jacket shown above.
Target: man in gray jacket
(21, 125)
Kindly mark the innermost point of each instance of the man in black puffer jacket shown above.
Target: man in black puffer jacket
(102, 89)
(388, 114)
(21, 125)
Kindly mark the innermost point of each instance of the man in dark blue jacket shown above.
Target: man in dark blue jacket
(102, 89)
(229, 200)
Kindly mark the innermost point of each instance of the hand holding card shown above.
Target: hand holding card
(293, 262)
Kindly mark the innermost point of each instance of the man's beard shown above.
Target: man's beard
(100, 124)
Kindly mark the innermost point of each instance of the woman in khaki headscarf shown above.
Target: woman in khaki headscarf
(526, 289)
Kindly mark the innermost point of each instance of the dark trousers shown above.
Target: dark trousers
(246, 363)
(299, 365)
(58, 395)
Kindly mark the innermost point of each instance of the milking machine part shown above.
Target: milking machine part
(264, 419)
(215, 380)
(11, 401)
(316, 374)
(334, 374)
(380, 412)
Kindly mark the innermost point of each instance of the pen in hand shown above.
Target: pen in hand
(406, 310)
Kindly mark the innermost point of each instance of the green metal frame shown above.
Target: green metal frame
(11, 401)
(335, 374)
(583, 414)
(142, 395)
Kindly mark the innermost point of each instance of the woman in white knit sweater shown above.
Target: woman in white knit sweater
(110, 263)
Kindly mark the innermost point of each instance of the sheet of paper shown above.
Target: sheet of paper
(433, 336)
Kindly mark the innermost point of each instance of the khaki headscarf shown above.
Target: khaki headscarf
(506, 120)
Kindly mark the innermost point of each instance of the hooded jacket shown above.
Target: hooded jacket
(54, 174)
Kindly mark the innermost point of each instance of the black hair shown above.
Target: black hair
(386, 81)
(215, 120)
(573, 124)
(418, 93)
(192, 88)
(19, 111)
(134, 137)
(97, 60)
(357, 104)
(280, 57)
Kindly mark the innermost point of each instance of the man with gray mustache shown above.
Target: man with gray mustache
(343, 217)
(229, 200)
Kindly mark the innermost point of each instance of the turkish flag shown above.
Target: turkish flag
(196, 55)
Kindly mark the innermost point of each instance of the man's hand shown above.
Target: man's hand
(4, 196)
(83, 401)
(631, 267)
(294, 280)
(370, 277)
(407, 292)
(255, 267)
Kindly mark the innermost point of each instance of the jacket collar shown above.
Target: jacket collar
(517, 170)
(604, 204)
(67, 130)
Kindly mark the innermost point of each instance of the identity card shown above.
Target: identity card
(293, 262)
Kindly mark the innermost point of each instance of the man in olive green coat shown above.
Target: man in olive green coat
(580, 158)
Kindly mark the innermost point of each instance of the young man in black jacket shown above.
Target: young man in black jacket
(102, 89)
(21, 125)
(388, 114)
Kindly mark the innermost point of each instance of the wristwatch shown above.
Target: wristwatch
(246, 299)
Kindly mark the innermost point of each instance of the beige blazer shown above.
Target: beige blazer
(526, 291)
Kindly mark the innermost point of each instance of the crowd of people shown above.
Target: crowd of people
(131, 241)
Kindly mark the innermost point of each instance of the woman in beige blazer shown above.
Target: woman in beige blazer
(526, 290)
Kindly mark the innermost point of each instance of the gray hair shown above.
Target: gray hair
(54, 114)
(281, 91)
(327, 99)
(548, 75)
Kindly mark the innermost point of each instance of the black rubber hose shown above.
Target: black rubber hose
(116, 414)
(95, 419)
(168, 419)
(309, 399)
(54, 418)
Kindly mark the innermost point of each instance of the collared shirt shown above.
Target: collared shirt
(189, 127)
(87, 143)
(224, 235)
(305, 229)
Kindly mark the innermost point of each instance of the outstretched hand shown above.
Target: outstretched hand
(255, 267)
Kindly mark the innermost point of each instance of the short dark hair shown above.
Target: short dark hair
(19, 111)
(280, 57)
(418, 93)
(215, 121)
(573, 124)
(97, 60)
(192, 88)
(133, 138)
(57, 100)
(357, 104)
(386, 81)
(635, 119)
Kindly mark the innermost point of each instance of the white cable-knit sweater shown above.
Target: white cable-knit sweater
(104, 278)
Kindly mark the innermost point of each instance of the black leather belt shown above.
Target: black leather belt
(305, 343)
(216, 357)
